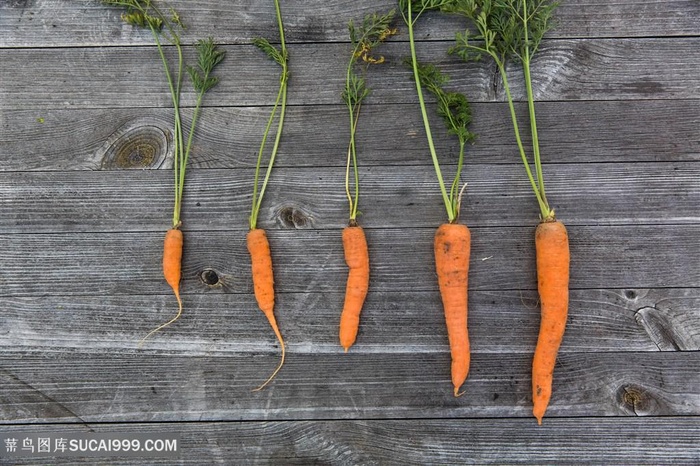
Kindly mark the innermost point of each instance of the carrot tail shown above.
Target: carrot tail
(264, 285)
(552, 247)
(452, 249)
(357, 259)
(172, 271)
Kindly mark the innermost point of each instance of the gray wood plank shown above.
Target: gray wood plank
(570, 132)
(599, 69)
(133, 386)
(43, 23)
(314, 198)
(446, 441)
(306, 261)
(630, 320)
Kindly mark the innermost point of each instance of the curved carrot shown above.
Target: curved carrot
(357, 259)
(172, 271)
(552, 246)
(452, 248)
(264, 284)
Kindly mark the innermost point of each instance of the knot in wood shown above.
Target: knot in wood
(637, 400)
(210, 277)
(136, 146)
(294, 218)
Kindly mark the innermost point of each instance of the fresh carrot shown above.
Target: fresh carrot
(258, 245)
(552, 246)
(513, 29)
(264, 284)
(452, 248)
(145, 14)
(452, 240)
(172, 271)
(357, 259)
(364, 37)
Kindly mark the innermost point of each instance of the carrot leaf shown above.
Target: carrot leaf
(505, 30)
(364, 37)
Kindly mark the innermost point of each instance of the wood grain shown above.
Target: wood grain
(43, 23)
(620, 320)
(571, 70)
(311, 260)
(316, 135)
(314, 198)
(650, 441)
(147, 385)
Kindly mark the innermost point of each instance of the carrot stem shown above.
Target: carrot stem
(410, 21)
(280, 106)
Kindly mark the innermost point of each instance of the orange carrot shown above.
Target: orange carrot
(172, 270)
(552, 246)
(452, 248)
(357, 259)
(264, 285)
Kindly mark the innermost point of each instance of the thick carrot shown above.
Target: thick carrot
(357, 259)
(452, 248)
(172, 270)
(264, 284)
(552, 246)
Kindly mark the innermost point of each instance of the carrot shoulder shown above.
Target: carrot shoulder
(357, 259)
(552, 247)
(264, 285)
(452, 249)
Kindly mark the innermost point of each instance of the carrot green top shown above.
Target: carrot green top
(509, 29)
(145, 13)
(279, 56)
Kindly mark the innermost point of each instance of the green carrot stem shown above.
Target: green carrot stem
(414, 60)
(544, 209)
(281, 103)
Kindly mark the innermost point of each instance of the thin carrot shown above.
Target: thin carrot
(365, 37)
(357, 259)
(258, 246)
(264, 284)
(452, 248)
(172, 271)
(552, 246)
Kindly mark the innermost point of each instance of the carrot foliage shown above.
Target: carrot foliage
(509, 30)
(280, 56)
(364, 37)
(146, 14)
(453, 107)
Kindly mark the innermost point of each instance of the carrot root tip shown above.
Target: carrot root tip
(161, 327)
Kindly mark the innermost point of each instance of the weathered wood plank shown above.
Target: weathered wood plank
(605, 69)
(143, 386)
(43, 23)
(311, 260)
(396, 197)
(418, 442)
(570, 132)
(392, 322)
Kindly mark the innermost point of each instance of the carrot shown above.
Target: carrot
(528, 22)
(365, 36)
(452, 248)
(452, 245)
(264, 285)
(552, 246)
(172, 271)
(357, 258)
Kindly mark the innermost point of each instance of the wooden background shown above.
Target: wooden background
(86, 195)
